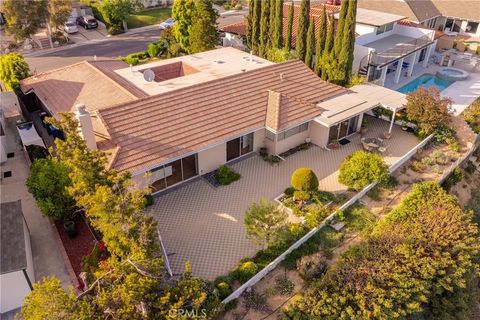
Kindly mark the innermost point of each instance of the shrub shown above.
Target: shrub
(455, 177)
(283, 285)
(153, 50)
(362, 168)
(224, 175)
(224, 289)
(227, 6)
(36, 152)
(311, 267)
(245, 271)
(289, 191)
(264, 221)
(316, 214)
(301, 195)
(148, 200)
(255, 301)
(13, 68)
(304, 179)
(417, 166)
(444, 134)
(238, 6)
(136, 58)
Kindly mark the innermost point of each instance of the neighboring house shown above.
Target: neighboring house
(9, 108)
(203, 110)
(16, 267)
(234, 35)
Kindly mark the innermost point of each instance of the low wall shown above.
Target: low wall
(272, 265)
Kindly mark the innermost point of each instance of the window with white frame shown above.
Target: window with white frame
(292, 131)
(472, 27)
(384, 28)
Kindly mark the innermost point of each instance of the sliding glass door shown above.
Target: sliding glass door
(239, 146)
(174, 172)
(343, 129)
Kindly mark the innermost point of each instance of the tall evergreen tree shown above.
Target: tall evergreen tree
(329, 41)
(203, 35)
(273, 15)
(278, 26)
(257, 13)
(320, 44)
(288, 36)
(182, 12)
(310, 44)
(349, 40)
(249, 31)
(340, 28)
(265, 29)
(302, 27)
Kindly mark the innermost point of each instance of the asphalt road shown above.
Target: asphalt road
(109, 48)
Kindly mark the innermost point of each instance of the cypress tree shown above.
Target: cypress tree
(310, 44)
(278, 33)
(302, 27)
(320, 45)
(264, 29)
(325, 61)
(288, 36)
(257, 13)
(203, 32)
(340, 28)
(349, 40)
(249, 33)
(273, 14)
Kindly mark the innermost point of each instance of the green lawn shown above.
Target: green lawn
(149, 17)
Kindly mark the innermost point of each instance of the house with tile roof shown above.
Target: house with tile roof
(181, 118)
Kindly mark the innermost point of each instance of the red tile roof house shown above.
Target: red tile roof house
(202, 110)
(383, 40)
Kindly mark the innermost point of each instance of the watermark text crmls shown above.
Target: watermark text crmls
(191, 314)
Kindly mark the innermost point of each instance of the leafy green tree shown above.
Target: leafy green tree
(58, 12)
(327, 52)
(183, 12)
(278, 25)
(304, 179)
(289, 35)
(24, 17)
(320, 43)
(116, 12)
(302, 27)
(48, 181)
(264, 221)
(428, 109)
(310, 44)
(203, 35)
(362, 168)
(13, 68)
(265, 39)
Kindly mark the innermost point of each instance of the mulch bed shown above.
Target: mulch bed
(78, 247)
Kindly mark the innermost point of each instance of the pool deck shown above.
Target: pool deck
(462, 93)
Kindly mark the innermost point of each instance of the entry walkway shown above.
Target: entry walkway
(204, 224)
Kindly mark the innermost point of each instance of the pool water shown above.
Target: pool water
(425, 80)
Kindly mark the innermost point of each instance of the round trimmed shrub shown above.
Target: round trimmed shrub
(304, 179)
(361, 168)
(245, 271)
(224, 289)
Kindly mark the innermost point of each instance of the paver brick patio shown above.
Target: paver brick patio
(204, 224)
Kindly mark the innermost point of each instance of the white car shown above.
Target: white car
(167, 24)
(70, 27)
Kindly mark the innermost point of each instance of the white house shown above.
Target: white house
(16, 268)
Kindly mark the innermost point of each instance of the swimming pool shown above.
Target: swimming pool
(425, 80)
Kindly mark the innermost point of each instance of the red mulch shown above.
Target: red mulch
(78, 247)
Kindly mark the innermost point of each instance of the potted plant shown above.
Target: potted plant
(363, 128)
(70, 228)
(334, 144)
(263, 152)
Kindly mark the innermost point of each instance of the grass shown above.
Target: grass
(148, 17)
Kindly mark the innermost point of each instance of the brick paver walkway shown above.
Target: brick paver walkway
(204, 224)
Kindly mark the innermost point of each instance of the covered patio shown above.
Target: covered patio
(204, 224)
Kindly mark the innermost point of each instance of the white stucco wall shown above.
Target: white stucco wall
(211, 159)
(362, 29)
(13, 288)
(290, 142)
(319, 134)
(258, 139)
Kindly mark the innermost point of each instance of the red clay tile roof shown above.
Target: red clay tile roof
(153, 130)
(315, 14)
(61, 89)
(408, 23)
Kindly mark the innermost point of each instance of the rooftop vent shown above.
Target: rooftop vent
(219, 61)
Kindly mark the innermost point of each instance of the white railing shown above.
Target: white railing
(272, 265)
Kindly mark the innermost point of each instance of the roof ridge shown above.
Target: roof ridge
(194, 86)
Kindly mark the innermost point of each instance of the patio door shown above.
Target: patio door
(423, 53)
(233, 149)
(343, 129)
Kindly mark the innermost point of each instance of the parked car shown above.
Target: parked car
(87, 22)
(70, 27)
(167, 24)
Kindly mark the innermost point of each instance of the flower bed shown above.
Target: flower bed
(79, 246)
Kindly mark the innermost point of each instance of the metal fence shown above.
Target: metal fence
(272, 265)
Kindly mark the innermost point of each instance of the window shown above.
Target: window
(270, 135)
(472, 27)
(384, 28)
(293, 131)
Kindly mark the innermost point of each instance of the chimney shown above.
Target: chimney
(86, 127)
(274, 102)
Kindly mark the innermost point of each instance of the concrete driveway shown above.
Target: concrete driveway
(84, 35)
(204, 224)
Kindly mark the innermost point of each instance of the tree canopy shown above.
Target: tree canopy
(302, 29)
(24, 17)
(203, 33)
(183, 12)
(362, 168)
(428, 109)
(289, 35)
(13, 68)
(59, 12)
(263, 221)
(417, 263)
